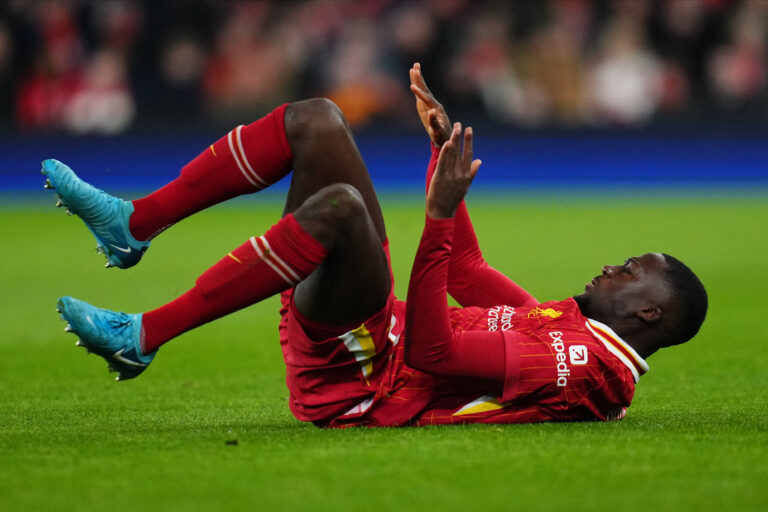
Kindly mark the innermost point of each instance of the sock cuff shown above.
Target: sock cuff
(277, 117)
(290, 250)
(263, 141)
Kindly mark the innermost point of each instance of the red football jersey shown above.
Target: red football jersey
(560, 366)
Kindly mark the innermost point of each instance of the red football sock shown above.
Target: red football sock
(248, 159)
(260, 268)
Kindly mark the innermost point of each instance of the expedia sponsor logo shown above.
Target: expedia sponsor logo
(500, 318)
(578, 354)
(563, 372)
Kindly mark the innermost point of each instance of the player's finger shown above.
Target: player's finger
(445, 161)
(417, 72)
(448, 148)
(422, 95)
(420, 77)
(455, 134)
(475, 167)
(416, 90)
(455, 140)
(414, 75)
(449, 151)
(468, 152)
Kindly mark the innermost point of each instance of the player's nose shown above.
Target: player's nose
(609, 270)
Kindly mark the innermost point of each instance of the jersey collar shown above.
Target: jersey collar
(618, 347)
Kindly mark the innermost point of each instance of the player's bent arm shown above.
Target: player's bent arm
(471, 280)
(430, 343)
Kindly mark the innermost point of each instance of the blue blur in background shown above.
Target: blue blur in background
(146, 162)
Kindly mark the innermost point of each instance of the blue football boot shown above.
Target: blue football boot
(105, 215)
(114, 336)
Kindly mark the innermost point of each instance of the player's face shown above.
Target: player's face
(622, 290)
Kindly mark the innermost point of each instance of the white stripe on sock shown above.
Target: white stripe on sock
(270, 263)
(263, 183)
(237, 160)
(287, 267)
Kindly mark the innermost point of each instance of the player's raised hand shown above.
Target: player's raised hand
(454, 173)
(431, 112)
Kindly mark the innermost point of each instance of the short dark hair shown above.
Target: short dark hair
(691, 298)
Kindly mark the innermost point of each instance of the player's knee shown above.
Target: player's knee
(340, 203)
(331, 212)
(314, 117)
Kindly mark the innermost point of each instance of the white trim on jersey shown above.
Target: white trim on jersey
(359, 408)
(638, 363)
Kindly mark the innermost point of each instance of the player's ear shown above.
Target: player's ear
(650, 313)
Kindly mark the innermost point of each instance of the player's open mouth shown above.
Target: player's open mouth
(591, 284)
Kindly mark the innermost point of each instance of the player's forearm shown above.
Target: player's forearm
(464, 239)
(471, 281)
(431, 345)
(486, 287)
(428, 331)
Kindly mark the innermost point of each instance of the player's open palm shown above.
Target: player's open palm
(454, 173)
(431, 112)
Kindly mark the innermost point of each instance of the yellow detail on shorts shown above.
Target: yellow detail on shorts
(234, 258)
(214, 151)
(360, 343)
(483, 404)
(537, 312)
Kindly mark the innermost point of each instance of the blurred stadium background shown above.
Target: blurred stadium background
(656, 108)
(581, 92)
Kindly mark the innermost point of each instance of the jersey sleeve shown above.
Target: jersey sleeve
(471, 281)
(431, 344)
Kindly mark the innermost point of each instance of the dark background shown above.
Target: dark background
(560, 92)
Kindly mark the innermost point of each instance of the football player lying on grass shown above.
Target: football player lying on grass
(354, 353)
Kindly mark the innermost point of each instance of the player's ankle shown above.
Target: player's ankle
(138, 230)
(147, 344)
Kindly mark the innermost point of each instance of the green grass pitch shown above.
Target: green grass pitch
(207, 427)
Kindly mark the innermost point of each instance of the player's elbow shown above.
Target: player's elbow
(464, 274)
(467, 261)
(425, 360)
(413, 360)
(410, 356)
(421, 364)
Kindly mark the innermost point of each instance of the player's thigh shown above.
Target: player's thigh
(324, 153)
(354, 280)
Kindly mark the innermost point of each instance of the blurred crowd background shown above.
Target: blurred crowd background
(130, 66)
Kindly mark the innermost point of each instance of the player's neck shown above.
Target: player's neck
(631, 330)
(644, 348)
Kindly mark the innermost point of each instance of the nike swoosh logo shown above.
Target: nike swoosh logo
(117, 356)
(126, 250)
